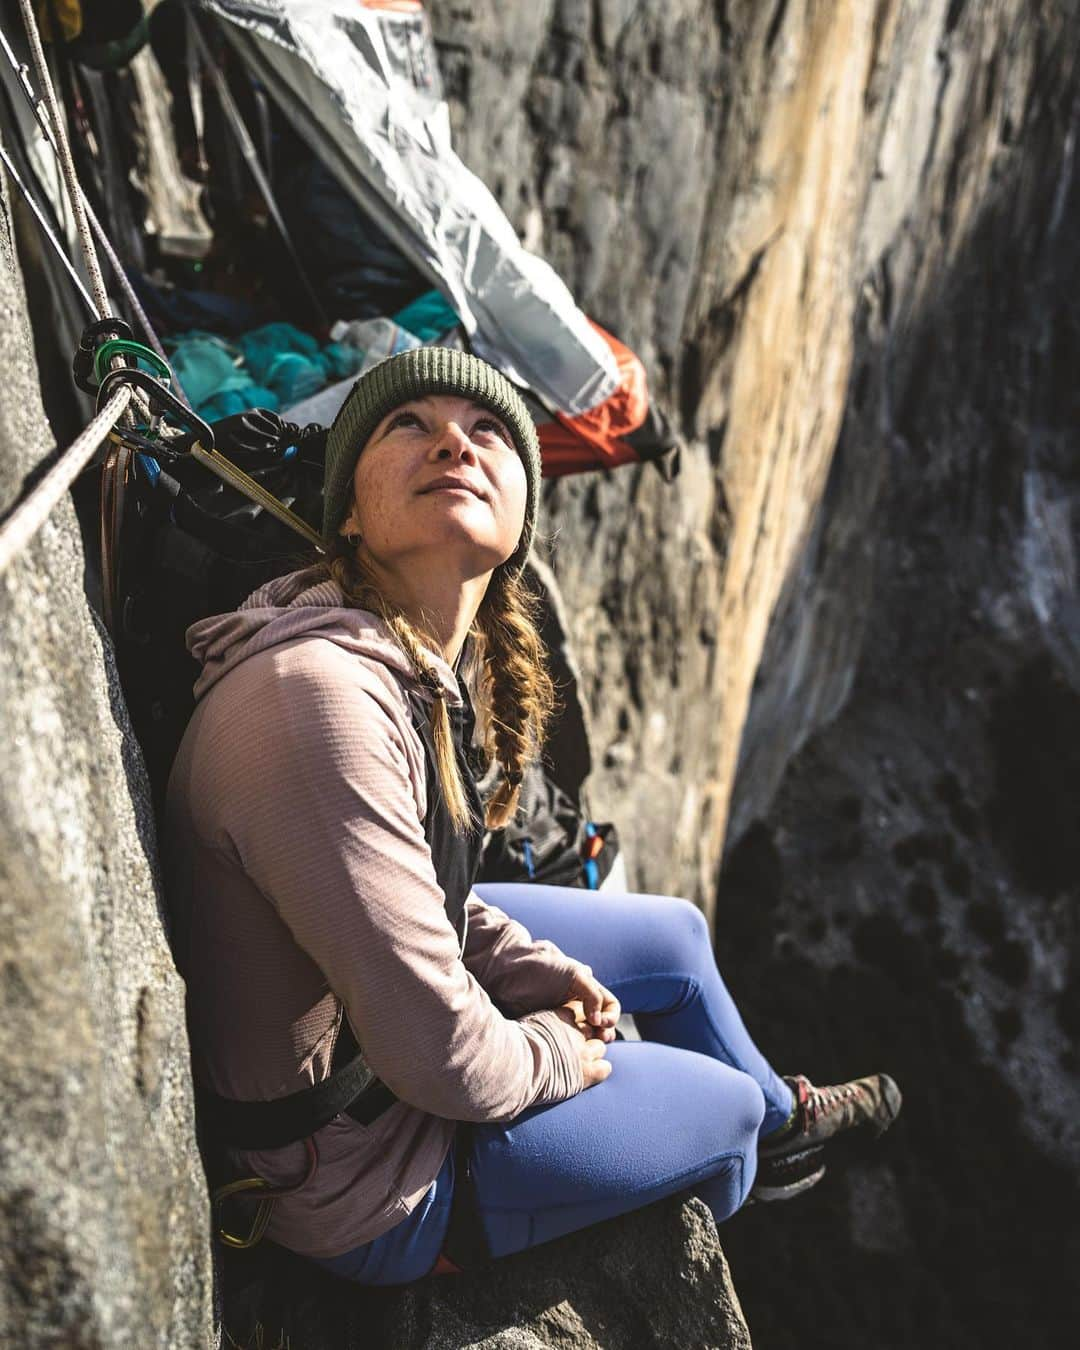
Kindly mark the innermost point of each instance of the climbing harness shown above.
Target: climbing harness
(265, 1193)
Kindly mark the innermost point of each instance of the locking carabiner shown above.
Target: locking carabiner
(162, 400)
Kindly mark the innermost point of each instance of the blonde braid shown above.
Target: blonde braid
(446, 763)
(517, 693)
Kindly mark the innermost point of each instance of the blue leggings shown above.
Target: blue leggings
(681, 1110)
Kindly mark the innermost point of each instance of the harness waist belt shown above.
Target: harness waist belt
(352, 1089)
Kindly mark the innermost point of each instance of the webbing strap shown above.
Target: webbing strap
(272, 1124)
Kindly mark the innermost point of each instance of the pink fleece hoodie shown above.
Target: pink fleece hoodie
(302, 890)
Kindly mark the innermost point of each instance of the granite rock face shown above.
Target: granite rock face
(752, 195)
(103, 1213)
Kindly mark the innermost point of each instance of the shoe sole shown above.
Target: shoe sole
(784, 1177)
(768, 1194)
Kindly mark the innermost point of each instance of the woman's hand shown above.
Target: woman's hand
(594, 1067)
(600, 1007)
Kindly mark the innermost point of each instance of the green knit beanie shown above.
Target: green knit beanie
(415, 374)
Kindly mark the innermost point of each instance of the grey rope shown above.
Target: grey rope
(47, 231)
(67, 164)
(31, 514)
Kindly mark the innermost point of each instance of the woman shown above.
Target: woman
(323, 826)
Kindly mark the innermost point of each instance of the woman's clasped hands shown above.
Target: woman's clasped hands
(593, 1011)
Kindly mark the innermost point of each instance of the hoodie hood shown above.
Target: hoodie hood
(303, 604)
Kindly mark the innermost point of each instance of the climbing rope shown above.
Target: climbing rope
(31, 514)
(120, 389)
(64, 156)
(47, 231)
(131, 297)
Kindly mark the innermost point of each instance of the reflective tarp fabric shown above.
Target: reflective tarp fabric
(360, 84)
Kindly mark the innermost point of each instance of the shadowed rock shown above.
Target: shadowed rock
(103, 1225)
(652, 1280)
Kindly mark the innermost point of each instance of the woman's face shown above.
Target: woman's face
(439, 474)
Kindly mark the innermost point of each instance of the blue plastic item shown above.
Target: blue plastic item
(273, 367)
(283, 358)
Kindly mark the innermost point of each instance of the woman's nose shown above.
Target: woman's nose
(453, 444)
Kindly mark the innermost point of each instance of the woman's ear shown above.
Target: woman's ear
(349, 528)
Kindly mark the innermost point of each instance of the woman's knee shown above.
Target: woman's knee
(721, 1110)
(742, 1111)
(681, 936)
(752, 1107)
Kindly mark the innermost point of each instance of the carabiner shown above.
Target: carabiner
(260, 1219)
(82, 366)
(265, 1207)
(161, 400)
(124, 347)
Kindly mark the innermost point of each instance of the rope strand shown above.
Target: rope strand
(124, 282)
(30, 515)
(63, 154)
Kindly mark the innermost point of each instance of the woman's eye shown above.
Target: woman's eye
(404, 419)
(489, 424)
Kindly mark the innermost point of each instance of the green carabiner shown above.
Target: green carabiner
(125, 347)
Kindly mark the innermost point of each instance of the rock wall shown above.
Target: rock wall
(846, 641)
(730, 187)
(909, 896)
(103, 1214)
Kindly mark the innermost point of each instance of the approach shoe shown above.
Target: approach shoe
(786, 1175)
(821, 1113)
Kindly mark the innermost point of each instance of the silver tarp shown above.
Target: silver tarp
(361, 86)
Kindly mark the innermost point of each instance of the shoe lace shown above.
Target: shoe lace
(821, 1101)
